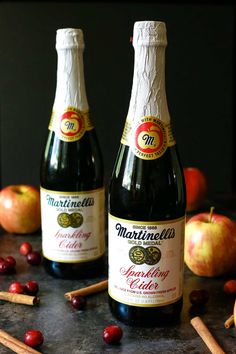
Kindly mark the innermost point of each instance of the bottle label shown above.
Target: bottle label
(72, 225)
(146, 261)
(70, 125)
(148, 137)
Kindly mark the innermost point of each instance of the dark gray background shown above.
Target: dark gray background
(199, 79)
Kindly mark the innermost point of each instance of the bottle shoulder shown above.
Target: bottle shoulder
(89, 138)
(72, 166)
(127, 162)
(147, 189)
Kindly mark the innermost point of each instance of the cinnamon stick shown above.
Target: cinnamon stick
(229, 322)
(19, 298)
(91, 289)
(15, 345)
(234, 313)
(206, 336)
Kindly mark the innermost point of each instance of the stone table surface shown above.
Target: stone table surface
(68, 331)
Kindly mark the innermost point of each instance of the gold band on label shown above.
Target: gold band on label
(165, 303)
(135, 222)
(78, 261)
(73, 193)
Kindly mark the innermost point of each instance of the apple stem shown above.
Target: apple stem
(211, 213)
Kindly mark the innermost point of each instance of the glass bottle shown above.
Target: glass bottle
(146, 198)
(71, 173)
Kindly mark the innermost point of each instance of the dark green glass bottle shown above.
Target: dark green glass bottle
(147, 197)
(71, 173)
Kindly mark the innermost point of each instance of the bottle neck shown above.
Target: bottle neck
(70, 88)
(148, 95)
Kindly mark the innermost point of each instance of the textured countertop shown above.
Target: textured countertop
(68, 331)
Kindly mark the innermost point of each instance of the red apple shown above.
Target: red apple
(20, 209)
(210, 244)
(196, 187)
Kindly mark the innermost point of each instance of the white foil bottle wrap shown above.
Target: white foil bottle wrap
(148, 96)
(70, 70)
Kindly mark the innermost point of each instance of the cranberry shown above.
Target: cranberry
(11, 260)
(16, 287)
(199, 297)
(78, 302)
(33, 338)
(25, 248)
(112, 334)
(5, 267)
(34, 258)
(230, 287)
(31, 287)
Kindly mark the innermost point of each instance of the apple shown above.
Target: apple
(196, 187)
(210, 244)
(20, 209)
